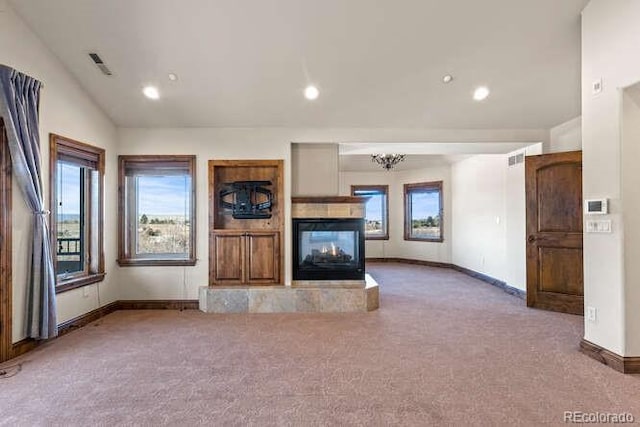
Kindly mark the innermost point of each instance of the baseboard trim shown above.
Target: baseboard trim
(412, 261)
(27, 344)
(183, 304)
(23, 346)
(480, 276)
(625, 365)
(492, 281)
(84, 319)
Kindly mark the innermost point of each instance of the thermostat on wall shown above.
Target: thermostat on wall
(596, 206)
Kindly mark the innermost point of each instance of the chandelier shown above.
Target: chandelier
(387, 161)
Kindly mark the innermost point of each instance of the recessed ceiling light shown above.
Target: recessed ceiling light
(481, 93)
(151, 92)
(311, 92)
(173, 77)
(447, 78)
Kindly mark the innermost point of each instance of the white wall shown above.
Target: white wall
(631, 206)
(516, 221)
(479, 215)
(65, 109)
(314, 170)
(489, 216)
(610, 40)
(396, 246)
(566, 136)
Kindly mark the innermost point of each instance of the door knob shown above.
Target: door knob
(531, 238)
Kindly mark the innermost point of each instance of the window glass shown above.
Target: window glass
(76, 200)
(157, 202)
(376, 210)
(70, 217)
(423, 211)
(163, 214)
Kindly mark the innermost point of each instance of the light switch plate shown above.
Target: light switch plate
(598, 226)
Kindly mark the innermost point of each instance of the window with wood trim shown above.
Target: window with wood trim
(376, 210)
(156, 210)
(423, 211)
(77, 212)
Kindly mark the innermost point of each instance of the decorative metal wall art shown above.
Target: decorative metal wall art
(247, 199)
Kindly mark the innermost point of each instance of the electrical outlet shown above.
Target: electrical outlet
(592, 314)
(85, 292)
(596, 86)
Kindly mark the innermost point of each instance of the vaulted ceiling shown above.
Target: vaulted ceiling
(376, 63)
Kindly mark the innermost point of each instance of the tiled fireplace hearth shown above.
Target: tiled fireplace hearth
(328, 265)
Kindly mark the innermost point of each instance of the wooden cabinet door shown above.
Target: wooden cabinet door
(554, 232)
(228, 258)
(263, 257)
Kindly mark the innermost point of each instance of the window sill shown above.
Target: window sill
(130, 262)
(417, 239)
(78, 282)
(376, 237)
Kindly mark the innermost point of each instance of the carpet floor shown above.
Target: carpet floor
(443, 349)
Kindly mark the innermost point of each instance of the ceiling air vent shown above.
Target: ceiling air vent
(516, 158)
(100, 64)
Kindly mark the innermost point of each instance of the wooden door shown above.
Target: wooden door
(554, 232)
(263, 257)
(228, 257)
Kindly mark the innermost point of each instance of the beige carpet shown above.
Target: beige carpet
(443, 349)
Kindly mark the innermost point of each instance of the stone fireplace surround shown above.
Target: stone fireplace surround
(303, 295)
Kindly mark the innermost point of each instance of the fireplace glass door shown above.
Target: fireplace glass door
(328, 249)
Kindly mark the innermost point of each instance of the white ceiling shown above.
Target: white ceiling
(444, 148)
(363, 163)
(356, 157)
(376, 63)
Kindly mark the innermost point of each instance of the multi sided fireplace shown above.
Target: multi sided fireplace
(328, 249)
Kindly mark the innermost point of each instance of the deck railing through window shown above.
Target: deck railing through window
(69, 251)
(68, 246)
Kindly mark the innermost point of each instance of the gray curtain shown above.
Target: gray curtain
(19, 101)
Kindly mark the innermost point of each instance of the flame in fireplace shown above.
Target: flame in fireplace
(333, 250)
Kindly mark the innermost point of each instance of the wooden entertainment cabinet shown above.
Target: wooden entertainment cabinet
(245, 251)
